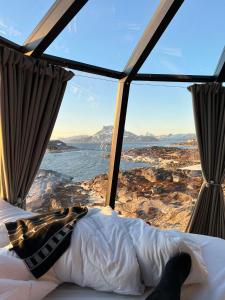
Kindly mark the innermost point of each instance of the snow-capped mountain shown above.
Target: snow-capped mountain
(105, 136)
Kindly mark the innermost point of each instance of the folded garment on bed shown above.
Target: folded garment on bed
(42, 239)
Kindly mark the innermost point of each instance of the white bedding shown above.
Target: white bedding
(212, 289)
(110, 260)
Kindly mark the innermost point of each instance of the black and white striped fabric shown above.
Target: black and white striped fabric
(42, 239)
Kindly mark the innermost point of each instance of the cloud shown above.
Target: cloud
(8, 29)
(82, 93)
(3, 32)
(133, 26)
(170, 66)
(176, 52)
(129, 37)
(75, 89)
(60, 47)
(72, 27)
(113, 8)
(93, 101)
(130, 30)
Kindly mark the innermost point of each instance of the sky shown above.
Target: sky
(104, 33)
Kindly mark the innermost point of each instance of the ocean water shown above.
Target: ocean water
(89, 161)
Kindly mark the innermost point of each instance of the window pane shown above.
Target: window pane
(162, 185)
(193, 42)
(164, 191)
(88, 106)
(104, 33)
(19, 18)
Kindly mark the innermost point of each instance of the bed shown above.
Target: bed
(213, 253)
(213, 289)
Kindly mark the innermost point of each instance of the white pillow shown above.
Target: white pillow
(154, 247)
(10, 213)
(185, 243)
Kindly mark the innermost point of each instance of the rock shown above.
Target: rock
(153, 212)
(59, 146)
(181, 197)
(154, 175)
(52, 190)
(161, 196)
(157, 190)
(195, 173)
(163, 157)
(176, 178)
(140, 213)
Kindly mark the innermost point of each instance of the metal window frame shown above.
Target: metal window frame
(56, 19)
(220, 69)
(165, 12)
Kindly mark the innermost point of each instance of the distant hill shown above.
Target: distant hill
(179, 137)
(105, 136)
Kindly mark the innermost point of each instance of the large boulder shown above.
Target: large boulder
(154, 175)
(53, 190)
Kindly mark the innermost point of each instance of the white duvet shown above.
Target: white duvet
(107, 252)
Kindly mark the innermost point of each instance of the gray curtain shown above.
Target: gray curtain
(31, 92)
(209, 113)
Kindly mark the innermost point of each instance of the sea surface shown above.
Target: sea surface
(90, 160)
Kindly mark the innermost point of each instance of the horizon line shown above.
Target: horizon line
(90, 135)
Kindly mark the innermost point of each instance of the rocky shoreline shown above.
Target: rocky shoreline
(163, 194)
(191, 142)
(163, 157)
(165, 198)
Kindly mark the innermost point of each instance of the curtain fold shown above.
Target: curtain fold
(31, 93)
(209, 113)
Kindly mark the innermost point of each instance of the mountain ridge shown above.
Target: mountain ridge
(105, 136)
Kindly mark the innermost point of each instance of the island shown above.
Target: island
(59, 146)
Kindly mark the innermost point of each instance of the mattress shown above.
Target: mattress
(213, 289)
